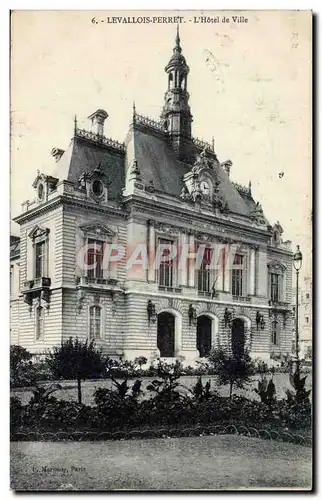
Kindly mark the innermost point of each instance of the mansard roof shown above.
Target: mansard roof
(84, 154)
(14, 247)
(156, 160)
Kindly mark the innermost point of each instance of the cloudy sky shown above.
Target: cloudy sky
(249, 85)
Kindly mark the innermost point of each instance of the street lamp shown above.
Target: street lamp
(297, 263)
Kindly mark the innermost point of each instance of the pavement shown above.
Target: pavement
(224, 462)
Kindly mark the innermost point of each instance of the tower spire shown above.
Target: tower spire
(176, 115)
(134, 112)
(177, 47)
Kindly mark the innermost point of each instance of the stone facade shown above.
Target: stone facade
(160, 185)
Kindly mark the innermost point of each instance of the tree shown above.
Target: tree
(141, 360)
(22, 372)
(75, 359)
(231, 370)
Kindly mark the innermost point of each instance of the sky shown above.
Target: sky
(249, 85)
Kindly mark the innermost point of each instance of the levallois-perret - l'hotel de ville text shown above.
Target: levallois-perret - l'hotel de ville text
(148, 246)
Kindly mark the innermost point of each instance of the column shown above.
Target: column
(191, 261)
(183, 260)
(227, 268)
(151, 251)
(251, 276)
(262, 273)
(218, 260)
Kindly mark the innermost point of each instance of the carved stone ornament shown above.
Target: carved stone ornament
(97, 229)
(202, 162)
(165, 229)
(276, 267)
(150, 187)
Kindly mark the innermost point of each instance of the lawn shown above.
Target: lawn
(69, 391)
(209, 462)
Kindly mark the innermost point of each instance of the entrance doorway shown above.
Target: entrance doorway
(238, 338)
(166, 335)
(204, 335)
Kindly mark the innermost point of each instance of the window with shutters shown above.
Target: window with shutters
(204, 273)
(237, 285)
(166, 269)
(40, 323)
(95, 256)
(275, 287)
(95, 322)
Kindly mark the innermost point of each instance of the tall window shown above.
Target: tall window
(275, 333)
(39, 323)
(237, 275)
(40, 249)
(275, 287)
(94, 322)
(95, 257)
(166, 267)
(204, 275)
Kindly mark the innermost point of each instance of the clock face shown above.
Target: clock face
(204, 186)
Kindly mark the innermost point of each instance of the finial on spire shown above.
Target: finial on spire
(250, 187)
(75, 124)
(213, 143)
(177, 47)
(134, 112)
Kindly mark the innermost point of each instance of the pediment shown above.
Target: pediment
(276, 266)
(38, 232)
(97, 229)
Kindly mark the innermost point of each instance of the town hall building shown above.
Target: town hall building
(121, 202)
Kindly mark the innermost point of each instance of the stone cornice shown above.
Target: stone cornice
(197, 222)
(63, 201)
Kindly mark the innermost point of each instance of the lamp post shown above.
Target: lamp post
(297, 264)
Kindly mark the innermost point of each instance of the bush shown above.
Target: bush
(231, 370)
(22, 371)
(266, 391)
(16, 409)
(75, 359)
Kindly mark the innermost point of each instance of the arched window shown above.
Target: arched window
(40, 323)
(95, 319)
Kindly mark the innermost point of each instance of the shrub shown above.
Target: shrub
(22, 371)
(75, 359)
(15, 412)
(266, 391)
(301, 395)
(231, 370)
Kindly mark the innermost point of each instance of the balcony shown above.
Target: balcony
(36, 284)
(87, 281)
(204, 293)
(170, 289)
(241, 298)
(279, 305)
(37, 288)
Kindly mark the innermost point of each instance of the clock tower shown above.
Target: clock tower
(176, 115)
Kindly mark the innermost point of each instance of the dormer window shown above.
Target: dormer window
(97, 187)
(40, 192)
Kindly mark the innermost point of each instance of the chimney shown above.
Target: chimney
(97, 119)
(226, 166)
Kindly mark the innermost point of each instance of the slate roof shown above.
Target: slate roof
(156, 161)
(85, 155)
(14, 247)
